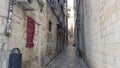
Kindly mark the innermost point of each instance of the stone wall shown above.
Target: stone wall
(31, 56)
(102, 33)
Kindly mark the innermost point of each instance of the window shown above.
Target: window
(53, 3)
(30, 1)
(50, 26)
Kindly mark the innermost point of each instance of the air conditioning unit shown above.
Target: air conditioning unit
(53, 4)
(42, 2)
(26, 4)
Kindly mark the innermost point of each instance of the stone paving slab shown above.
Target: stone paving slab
(67, 59)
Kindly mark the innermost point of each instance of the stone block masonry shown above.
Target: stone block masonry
(102, 33)
(31, 56)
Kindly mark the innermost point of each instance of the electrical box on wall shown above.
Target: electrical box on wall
(42, 2)
(26, 4)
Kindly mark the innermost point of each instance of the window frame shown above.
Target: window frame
(50, 26)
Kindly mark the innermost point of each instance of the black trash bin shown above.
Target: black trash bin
(15, 58)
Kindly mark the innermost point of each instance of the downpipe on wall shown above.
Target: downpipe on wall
(9, 17)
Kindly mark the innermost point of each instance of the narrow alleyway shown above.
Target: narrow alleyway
(67, 59)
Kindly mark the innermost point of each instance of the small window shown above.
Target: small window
(50, 26)
(30, 1)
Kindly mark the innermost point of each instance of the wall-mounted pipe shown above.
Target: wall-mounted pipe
(9, 17)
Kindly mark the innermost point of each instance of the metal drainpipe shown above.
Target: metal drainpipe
(9, 17)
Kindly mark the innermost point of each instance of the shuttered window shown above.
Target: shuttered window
(50, 26)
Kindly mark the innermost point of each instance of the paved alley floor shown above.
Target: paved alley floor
(67, 59)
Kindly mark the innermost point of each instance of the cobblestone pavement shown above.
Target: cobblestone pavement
(67, 59)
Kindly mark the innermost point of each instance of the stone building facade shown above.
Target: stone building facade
(45, 36)
(97, 25)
